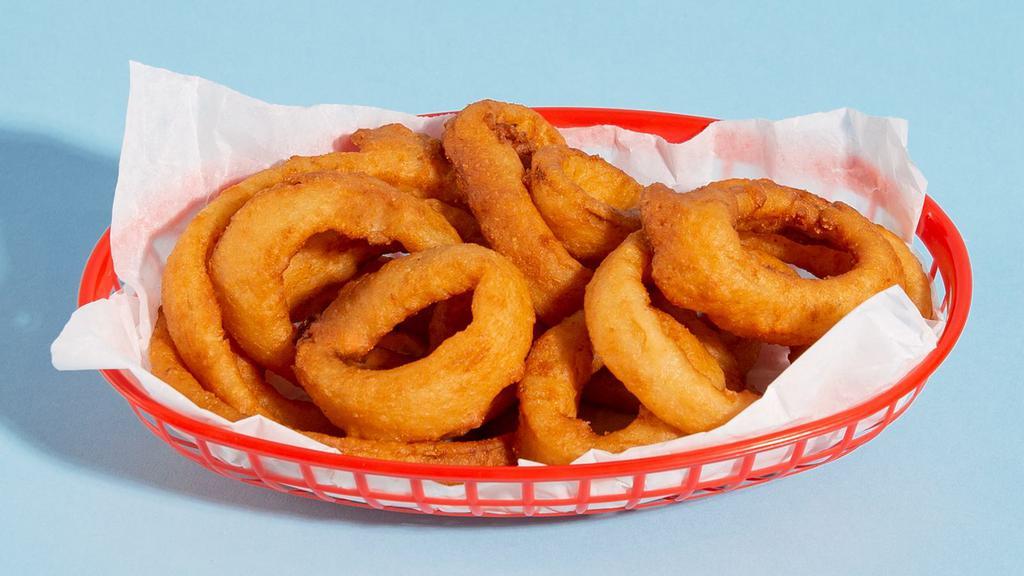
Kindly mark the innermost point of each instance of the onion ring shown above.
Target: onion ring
(413, 163)
(463, 222)
(590, 205)
(711, 272)
(167, 366)
(735, 355)
(249, 261)
(487, 452)
(489, 143)
(916, 282)
(451, 390)
(662, 363)
(194, 321)
(776, 250)
(557, 370)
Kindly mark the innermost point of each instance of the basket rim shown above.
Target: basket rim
(98, 279)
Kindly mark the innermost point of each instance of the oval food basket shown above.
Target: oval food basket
(557, 490)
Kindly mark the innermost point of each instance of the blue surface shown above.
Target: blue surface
(85, 489)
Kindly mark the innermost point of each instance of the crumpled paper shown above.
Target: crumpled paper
(186, 138)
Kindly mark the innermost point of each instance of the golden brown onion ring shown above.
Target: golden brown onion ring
(451, 390)
(735, 355)
(818, 260)
(557, 369)
(487, 452)
(414, 163)
(916, 282)
(393, 153)
(699, 262)
(463, 222)
(249, 261)
(590, 205)
(659, 360)
(167, 365)
(489, 143)
(776, 250)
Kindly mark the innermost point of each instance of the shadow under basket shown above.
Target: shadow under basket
(569, 489)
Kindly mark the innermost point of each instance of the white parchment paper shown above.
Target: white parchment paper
(186, 138)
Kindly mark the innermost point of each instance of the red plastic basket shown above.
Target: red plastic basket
(603, 487)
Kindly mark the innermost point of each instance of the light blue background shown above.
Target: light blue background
(85, 489)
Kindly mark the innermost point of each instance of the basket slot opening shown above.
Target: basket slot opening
(146, 418)
(181, 439)
(311, 484)
(637, 491)
(689, 483)
(364, 491)
(416, 487)
(261, 472)
(219, 466)
(869, 427)
(832, 446)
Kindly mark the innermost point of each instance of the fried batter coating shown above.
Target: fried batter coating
(490, 144)
(699, 262)
(248, 264)
(550, 430)
(658, 359)
(167, 365)
(452, 389)
(393, 153)
(590, 205)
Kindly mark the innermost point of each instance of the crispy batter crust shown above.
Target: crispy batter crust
(489, 143)
(659, 360)
(487, 452)
(550, 430)
(167, 365)
(393, 153)
(448, 392)
(248, 264)
(590, 205)
(915, 283)
(700, 263)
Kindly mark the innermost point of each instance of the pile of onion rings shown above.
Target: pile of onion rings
(497, 294)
